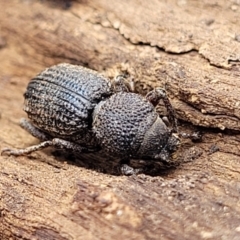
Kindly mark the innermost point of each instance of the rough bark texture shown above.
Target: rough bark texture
(192, 48)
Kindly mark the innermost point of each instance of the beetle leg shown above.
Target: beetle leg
(195, 136)
(67, 145)
(55, 142)
(19, 152)
(35, 132)
(158, 94)
(120, 84)
(128, 170)
(166, 121)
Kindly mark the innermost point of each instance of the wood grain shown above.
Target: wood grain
(189, 47)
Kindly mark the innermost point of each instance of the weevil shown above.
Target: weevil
(75, 108)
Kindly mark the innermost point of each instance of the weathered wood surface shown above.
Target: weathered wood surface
(192, 48)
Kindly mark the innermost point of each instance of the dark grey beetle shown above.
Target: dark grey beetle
(75, 108)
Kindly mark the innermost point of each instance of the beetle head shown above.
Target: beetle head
(159, 142)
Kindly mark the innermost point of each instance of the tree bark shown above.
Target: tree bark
(191, 48)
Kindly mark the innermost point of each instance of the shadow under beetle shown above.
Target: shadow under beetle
(74, 108)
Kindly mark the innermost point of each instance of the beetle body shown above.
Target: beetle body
(61, 99)
(75, 108)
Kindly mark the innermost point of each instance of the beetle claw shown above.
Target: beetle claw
(8, 152)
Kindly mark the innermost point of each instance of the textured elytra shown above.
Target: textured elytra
(121, 122)
(60, 99)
